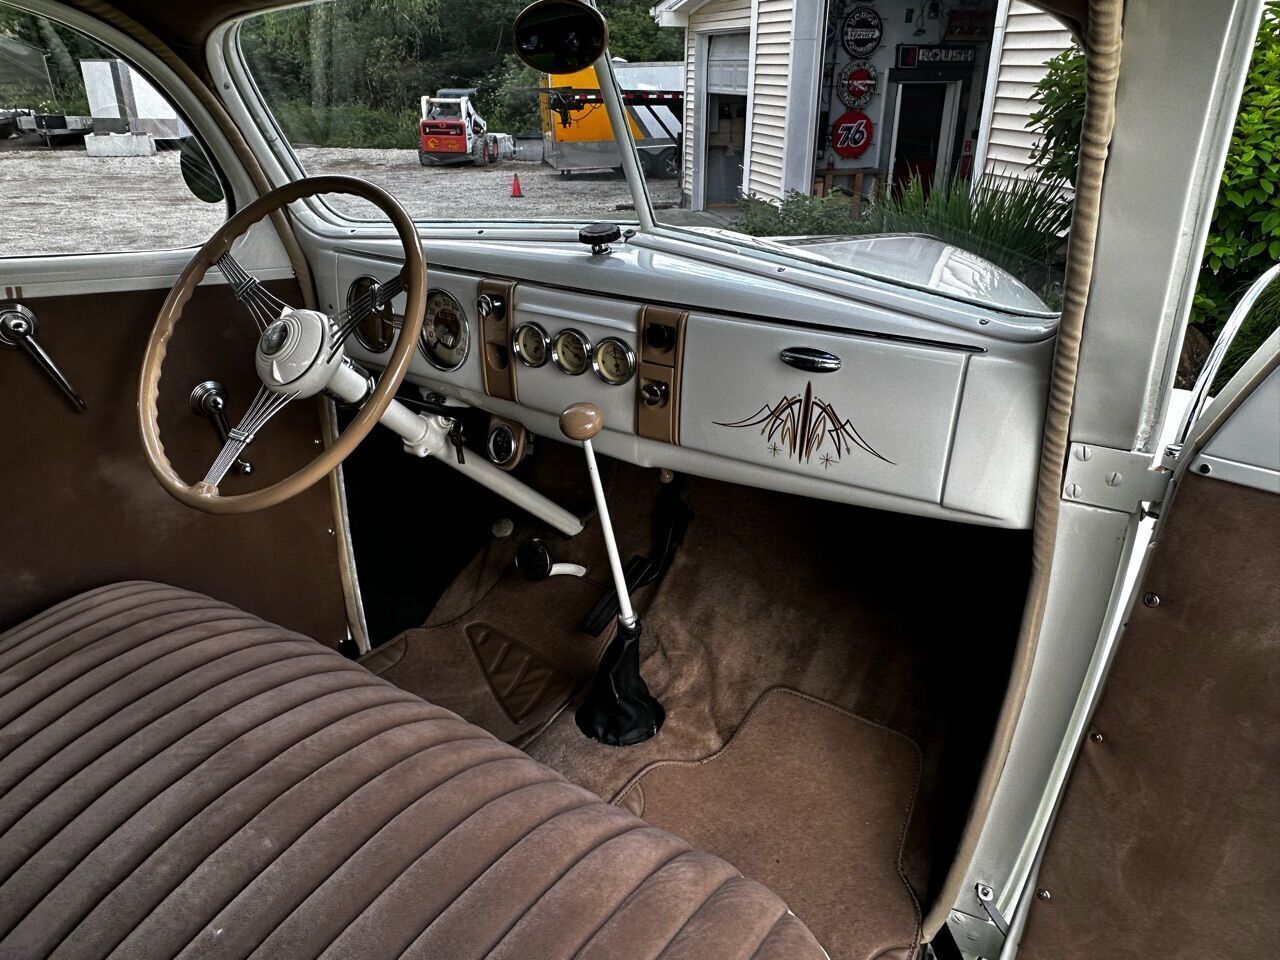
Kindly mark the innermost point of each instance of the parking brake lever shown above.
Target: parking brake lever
(18, 329)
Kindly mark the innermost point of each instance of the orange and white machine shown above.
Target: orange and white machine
(451, 131)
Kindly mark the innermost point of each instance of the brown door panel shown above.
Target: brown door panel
(79, 507)
(1167, 843)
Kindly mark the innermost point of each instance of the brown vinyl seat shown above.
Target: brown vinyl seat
(181, 779)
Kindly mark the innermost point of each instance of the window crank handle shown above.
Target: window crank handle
(18, 329)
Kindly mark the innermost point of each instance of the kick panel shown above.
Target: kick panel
(875, 413)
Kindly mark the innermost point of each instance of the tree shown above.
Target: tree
(1244, 236)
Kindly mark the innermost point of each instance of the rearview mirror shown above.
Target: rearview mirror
(560, 36)
(198, 173)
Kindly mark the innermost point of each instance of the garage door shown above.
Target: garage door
(727, 63)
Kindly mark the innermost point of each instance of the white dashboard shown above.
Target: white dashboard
(847, 402)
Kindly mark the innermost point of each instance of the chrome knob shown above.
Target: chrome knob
(487, 305)
(654, 393)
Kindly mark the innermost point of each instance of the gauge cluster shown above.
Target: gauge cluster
(571, 352)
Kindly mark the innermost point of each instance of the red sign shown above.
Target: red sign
(851, 134)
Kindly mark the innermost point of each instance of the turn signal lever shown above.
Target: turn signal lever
(618, 709)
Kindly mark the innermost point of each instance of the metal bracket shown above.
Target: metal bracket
(1113, 479)
(975, 936)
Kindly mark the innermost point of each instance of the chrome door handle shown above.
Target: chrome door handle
(814, 361)
(18, 329)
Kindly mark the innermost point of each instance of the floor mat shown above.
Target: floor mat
(813, 802)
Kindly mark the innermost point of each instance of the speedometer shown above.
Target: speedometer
(446, 334)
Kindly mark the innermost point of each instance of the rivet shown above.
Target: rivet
(1043, 894)
(1084, 453)
(1114, 478)
(1096, 737)
(1073, 491)
(330, 531)
(1151, 600)
(1205, 468)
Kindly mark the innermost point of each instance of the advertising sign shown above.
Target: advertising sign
(862, 32)
(856, 84)
(851, 134)
(921, 55)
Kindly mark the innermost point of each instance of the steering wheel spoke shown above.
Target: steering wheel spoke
(346, 321)
(266, 404)
(263, 305)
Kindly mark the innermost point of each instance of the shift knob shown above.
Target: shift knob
(581, 421)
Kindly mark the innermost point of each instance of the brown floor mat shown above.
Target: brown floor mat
(813, 802)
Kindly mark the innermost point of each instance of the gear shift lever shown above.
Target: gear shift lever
(618, 709)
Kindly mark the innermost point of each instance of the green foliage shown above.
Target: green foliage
(1018, 224)
(796, 216)
(351, 72)
(1262, 320)
(64, 49)
(635, 36)
(1060, 116)
(1244, 237)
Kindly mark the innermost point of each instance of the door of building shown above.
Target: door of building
(724, 118)
(924, 131)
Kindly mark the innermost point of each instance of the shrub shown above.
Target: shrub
(1060, 117)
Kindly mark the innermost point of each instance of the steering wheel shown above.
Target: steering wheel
(299, 352)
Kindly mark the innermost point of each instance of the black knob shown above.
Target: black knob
(600, 233)
(654, 393)
(660, 336)
(533, 559)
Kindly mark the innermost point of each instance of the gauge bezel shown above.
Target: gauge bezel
(515, 445)
(586, 351)
(358, 332)
(546, 344)
(466, 328)
(599, 371)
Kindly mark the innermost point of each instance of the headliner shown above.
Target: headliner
(185, 26)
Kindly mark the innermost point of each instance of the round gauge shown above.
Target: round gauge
(530, 344)
(446, 334)
(613, 361)
(377, 330)
(571, 351)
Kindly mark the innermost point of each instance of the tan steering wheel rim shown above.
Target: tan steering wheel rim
(203, 497)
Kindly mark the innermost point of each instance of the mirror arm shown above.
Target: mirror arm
(627, 152)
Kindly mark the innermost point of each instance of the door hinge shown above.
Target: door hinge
(1114, 479)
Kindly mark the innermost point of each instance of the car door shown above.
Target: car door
(97, 228)
(1166, 838)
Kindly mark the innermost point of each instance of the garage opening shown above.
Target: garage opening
(726, 118)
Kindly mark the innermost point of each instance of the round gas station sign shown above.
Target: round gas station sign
(862, 32)
(856, 84)
(851, 134)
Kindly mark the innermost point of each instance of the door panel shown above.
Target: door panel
(1168, 839)
(79, 506)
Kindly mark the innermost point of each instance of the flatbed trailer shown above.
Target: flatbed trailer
(576, 129)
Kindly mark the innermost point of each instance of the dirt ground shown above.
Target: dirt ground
(64, 201)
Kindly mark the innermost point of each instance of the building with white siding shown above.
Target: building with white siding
(811, 95)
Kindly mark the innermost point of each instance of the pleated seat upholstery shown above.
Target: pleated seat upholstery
(181, 779)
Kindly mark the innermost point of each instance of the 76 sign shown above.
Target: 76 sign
(851, 134)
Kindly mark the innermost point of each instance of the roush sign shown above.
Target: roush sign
(917, 55)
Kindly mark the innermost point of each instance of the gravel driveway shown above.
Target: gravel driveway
(64, 201)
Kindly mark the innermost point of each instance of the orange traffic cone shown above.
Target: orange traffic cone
(515, 186)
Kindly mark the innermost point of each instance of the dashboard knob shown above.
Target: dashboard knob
(581, 421)
(654, 393)
(488, 305)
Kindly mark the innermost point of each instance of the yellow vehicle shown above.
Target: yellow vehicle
(576, 131)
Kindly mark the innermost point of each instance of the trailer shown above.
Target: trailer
(576, 129)
(452, 131)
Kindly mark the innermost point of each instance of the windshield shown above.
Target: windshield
(927, 145)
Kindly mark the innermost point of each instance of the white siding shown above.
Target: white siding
(717, 16)
(769, 100)
(1031, 39)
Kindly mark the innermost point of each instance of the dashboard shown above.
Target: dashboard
(894, 414)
